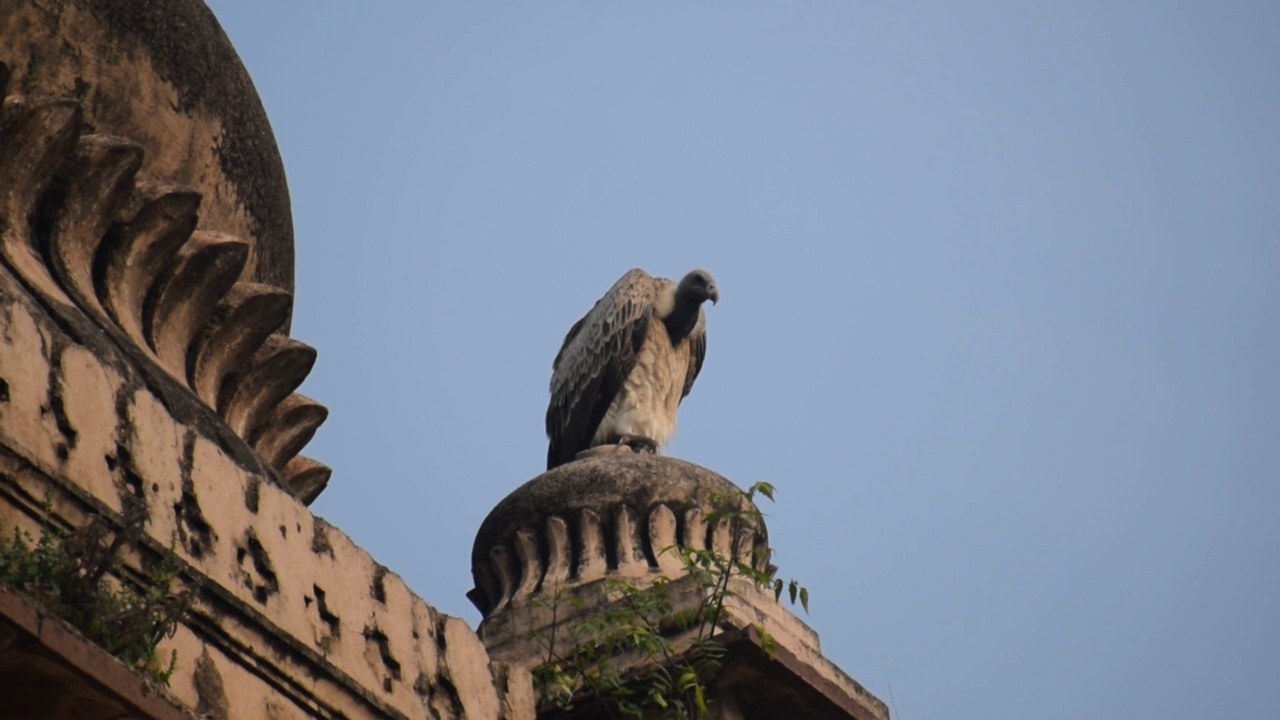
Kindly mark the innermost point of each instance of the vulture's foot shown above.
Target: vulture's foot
(639, 444)
(603, 450)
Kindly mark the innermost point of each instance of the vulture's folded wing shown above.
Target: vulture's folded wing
(599, 352)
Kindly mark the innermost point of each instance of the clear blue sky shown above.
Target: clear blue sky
(1000, 313)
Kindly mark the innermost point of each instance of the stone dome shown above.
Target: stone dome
(163, 74)
(602, 515)
(147, 206)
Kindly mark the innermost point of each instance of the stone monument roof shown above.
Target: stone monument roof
(163, 74)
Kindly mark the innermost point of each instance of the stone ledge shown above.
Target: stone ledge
(49, 671)
(788, 685)
(797, 682)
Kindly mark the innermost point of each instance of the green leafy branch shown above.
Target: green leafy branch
(74, 576)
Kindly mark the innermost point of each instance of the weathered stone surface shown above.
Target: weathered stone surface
(117, 262)
(163, 74)
(602, 514)
(145, 277)
(290, 619)
(547, 559)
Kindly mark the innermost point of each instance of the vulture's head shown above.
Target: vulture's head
(699, 286)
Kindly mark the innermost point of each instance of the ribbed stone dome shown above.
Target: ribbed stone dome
(163, 74)
(608, 514)
(146, 204)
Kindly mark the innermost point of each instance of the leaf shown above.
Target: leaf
(700, 699)
(768, 643)
(688, 679)
(763, 488)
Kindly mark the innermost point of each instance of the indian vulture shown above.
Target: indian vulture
(626, 365)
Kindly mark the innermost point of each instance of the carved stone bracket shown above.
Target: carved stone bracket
(83, 231)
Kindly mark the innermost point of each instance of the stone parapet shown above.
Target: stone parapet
(290, 618)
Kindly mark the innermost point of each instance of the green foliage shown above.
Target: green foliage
(71, 577)
(641, 623)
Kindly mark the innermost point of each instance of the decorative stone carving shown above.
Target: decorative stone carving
(163, 74)
(82, 231)
(133, 336)
(598, 516)
(610, 514)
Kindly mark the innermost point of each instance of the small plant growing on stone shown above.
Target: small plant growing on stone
(31, 83)
(642, 622)
(71, 577)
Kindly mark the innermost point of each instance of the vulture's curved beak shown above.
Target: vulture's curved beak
(713, 293)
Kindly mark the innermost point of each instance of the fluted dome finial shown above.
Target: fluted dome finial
(603, 515)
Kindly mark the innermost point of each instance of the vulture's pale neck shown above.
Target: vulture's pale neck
(684, 316)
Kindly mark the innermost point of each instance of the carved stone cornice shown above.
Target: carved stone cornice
(87, 235)
(604, 515)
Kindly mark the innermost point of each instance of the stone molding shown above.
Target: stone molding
(84, 232)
